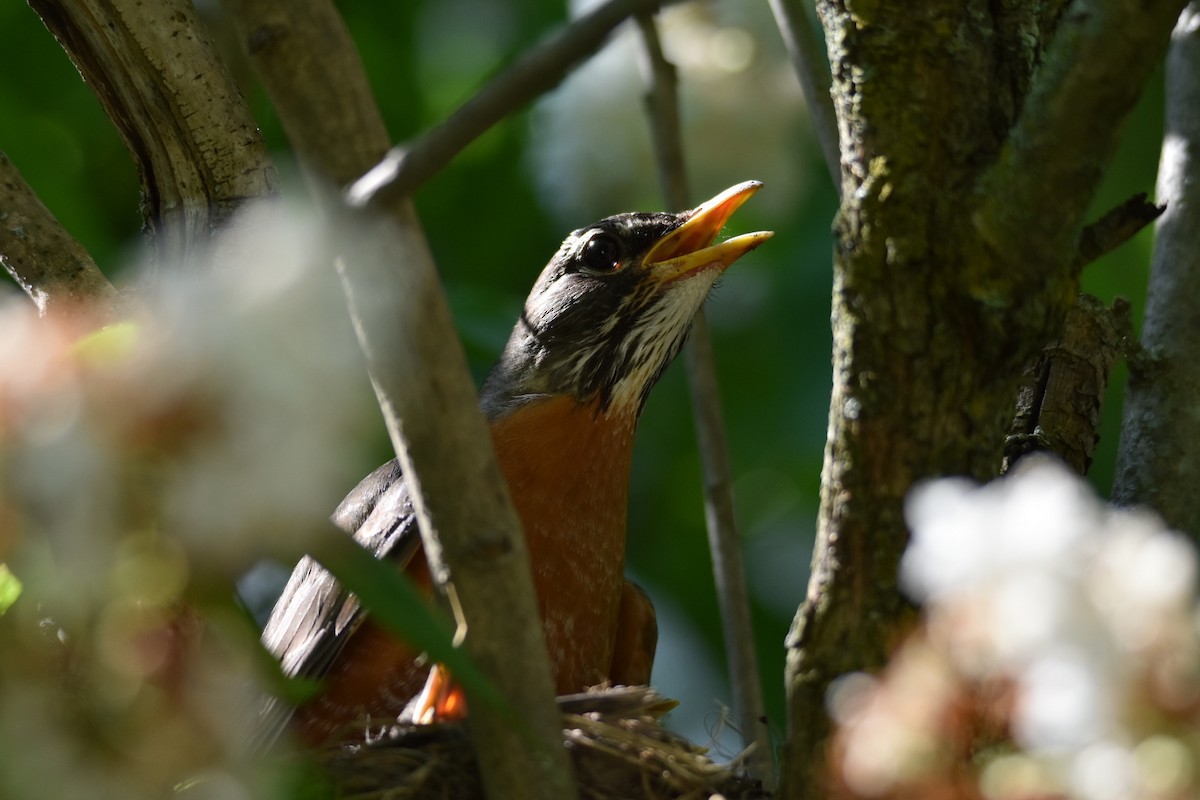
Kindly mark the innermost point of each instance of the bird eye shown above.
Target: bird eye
(601, 253)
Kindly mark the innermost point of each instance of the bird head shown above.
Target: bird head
(615, 304)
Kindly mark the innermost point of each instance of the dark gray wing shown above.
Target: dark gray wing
(315, 616)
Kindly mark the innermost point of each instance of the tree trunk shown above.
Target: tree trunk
(964, 185)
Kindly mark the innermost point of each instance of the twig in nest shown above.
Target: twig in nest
(616, 740)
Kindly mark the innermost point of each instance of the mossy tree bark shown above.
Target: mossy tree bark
(972, 138)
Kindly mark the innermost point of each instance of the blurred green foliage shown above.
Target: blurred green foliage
(492, 228)
(10, 588)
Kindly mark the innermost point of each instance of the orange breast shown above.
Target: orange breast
(567, 468)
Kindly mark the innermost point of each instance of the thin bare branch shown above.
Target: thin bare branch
(158, 76)
(1156, 464)
(662, 107)
(809, 59)
(50, 265)
(723, 540)
(471, 533)
(532, 75)
(1116, 227)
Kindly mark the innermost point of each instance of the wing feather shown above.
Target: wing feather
(315, 617)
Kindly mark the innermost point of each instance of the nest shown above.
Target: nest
(618, 746)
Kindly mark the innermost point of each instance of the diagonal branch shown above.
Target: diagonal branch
(159, 78)
(723, 539)
(471, 534)
(532, 75)
(1036, 194)
(807, 50)
(1116, 227)
(50, 265)
(470, 531)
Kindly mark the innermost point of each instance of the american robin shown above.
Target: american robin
(605, 318)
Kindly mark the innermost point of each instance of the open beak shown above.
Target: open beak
(689, 249)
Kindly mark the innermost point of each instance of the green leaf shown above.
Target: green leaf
(10, 588)
(109, 344)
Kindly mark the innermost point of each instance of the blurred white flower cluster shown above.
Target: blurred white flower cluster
(1058, 656)
(142, 469)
